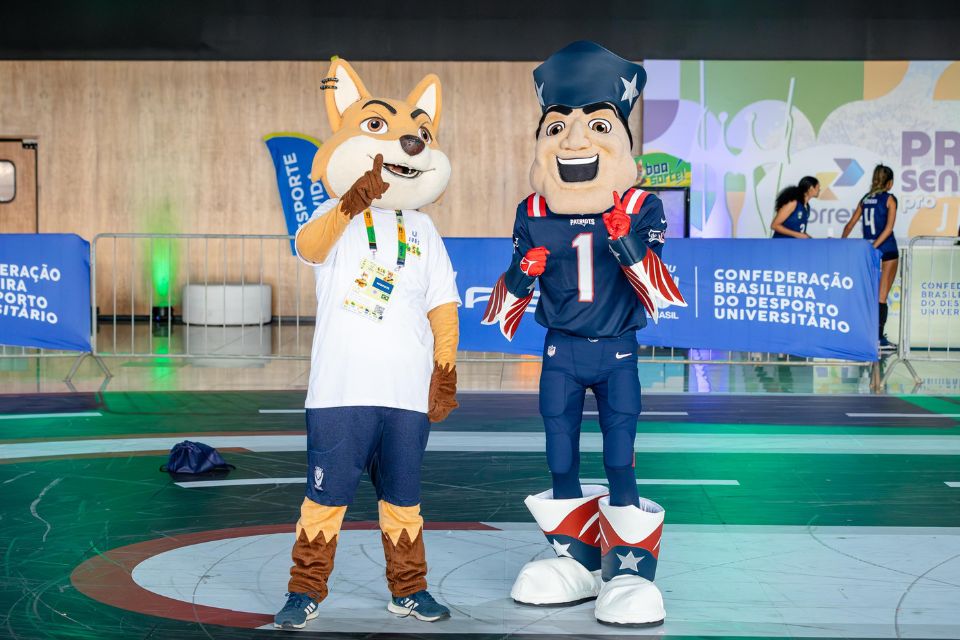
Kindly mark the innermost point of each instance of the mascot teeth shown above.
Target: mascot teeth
(578, 169)
(401, 170)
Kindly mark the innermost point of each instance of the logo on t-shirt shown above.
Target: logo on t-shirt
(413, 244)
(551, 350)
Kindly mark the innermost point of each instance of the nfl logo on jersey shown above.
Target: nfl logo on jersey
(551, 350)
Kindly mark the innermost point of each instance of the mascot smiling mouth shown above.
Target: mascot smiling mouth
(402, 170)
(578, 169)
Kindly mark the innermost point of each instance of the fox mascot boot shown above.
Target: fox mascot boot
(593, 241)
(384, 350)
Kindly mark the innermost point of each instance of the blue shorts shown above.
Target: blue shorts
(889, 249)
(387, 443)
(607, 366)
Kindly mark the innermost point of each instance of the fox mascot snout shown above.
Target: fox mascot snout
(404, 132)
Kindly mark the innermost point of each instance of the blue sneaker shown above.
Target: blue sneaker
(299, 608)
(420, 605)
(886, 345)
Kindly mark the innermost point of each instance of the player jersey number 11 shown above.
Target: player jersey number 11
(583, 244)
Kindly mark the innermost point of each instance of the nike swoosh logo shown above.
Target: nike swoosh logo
(621, 356)
(663, 221)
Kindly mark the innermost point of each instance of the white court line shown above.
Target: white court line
(199, 484)
(903, 415)
(28, 416)
(255, 481)
(646, 413)
(955, 485)
(586, 413)
(519, 442)
(729, 483)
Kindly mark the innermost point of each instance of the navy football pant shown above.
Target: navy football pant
(387, 443)
(608, 367)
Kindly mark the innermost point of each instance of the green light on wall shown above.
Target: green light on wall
(163, 271)
(163, 253)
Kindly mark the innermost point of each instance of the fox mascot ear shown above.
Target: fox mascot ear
(348, 90)
(426, 96)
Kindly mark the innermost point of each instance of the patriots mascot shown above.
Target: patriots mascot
(600, 276)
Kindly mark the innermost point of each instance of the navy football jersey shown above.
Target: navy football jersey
(875, 212)
(796, 221)
(583, 291)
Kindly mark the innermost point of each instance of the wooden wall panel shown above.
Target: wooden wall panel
(176, 146)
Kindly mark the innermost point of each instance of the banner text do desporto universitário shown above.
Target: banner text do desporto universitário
(815, 298)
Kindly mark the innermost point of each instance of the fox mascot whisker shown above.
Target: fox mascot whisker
(384, 351)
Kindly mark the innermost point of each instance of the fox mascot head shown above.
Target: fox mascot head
(403, 132)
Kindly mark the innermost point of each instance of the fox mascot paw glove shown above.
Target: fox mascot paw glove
(368, 187)
(534, 262)
(443, 392)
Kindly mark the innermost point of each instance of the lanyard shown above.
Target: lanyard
(401, 237)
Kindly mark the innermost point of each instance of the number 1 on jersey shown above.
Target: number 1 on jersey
(583, 243)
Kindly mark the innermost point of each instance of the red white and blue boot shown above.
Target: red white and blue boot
(572, 527)
(629, 548)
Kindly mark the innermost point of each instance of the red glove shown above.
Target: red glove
(617, 221)
(534, 262)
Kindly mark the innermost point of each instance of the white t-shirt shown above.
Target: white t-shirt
(356, 361)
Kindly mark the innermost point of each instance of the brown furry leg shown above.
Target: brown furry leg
(315, 548)
(402, 537)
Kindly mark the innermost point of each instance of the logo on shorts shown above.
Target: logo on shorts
(318, 478)
(551, 350)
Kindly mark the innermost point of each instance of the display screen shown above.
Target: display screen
(675, 208)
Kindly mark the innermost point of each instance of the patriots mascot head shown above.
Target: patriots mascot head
(584, 146)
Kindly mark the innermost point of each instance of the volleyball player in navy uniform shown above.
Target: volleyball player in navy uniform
(600, 275)
(793, 209)
(878, 210)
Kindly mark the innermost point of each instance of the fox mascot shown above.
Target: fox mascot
(594, 243)
(384, 352)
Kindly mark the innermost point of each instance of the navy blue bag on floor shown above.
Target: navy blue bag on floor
(195, 457)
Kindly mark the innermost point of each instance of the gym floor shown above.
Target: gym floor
(788, 515)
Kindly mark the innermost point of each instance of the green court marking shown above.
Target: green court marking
(950, 404)
(101, 504)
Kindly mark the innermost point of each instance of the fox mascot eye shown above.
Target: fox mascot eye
(425, 135)
(374, 125)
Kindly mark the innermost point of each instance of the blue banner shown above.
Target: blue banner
(815, 298)
(478, 263)
(45, 291)
(292, 155)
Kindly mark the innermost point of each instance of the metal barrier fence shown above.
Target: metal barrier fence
(143, 286)
(238, 296)
(930, 304)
